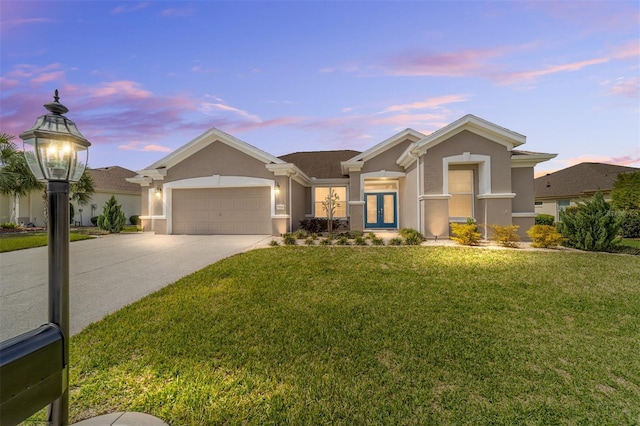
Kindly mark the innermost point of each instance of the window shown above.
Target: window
(563, 204)
(321, 193)
(461, 190)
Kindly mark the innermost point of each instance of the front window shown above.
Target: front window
(461, 190)
(322, 193)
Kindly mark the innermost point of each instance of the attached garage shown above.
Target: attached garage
(244, 210)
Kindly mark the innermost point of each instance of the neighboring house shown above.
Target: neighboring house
(218, 184)
(559, 190)
(108, 181)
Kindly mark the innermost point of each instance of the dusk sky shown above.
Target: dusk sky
(143, 78)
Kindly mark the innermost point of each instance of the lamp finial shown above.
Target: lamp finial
(56, 107)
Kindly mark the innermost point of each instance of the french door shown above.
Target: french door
(380, 210)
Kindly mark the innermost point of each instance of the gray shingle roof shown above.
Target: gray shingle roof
(320, 164)
(579, 180)
(113, 179)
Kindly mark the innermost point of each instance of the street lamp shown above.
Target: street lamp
(57, 153)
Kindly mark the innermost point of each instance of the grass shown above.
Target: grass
(14, 241)
(397, 336)
(631, 242)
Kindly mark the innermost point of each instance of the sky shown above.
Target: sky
(142, 78)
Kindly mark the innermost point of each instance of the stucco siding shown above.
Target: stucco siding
(387, 159)
(523, 187)
(298, 204)
(408, 199)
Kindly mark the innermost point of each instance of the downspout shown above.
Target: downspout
(290, 206)
(418, 209)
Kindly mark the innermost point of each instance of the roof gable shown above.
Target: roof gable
(579, 180)
(210, 136)
(320, 164)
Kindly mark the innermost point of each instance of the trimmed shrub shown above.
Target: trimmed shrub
(8, 225)
(289, 239)
(545, 219)
(590, 225)
(412, 237)
(112, 218)
(274, 243)
(466, 233)
(135, 220)
(505, 235)
(630, 225)
(545, 236)
(94, 220)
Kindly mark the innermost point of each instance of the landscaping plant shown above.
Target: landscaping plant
(545, 236)
(506, 235)
(590, 225)
(112, 218)
(545, 219)
(466, 233)
(412, 237)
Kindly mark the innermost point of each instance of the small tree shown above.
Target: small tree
(329, 205)
(112, 218)
(591, 225)
(545, 219)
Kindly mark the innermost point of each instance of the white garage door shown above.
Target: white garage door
(221, 211)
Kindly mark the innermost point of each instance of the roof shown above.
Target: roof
(113, 179)
(320, 164)
(579, 180)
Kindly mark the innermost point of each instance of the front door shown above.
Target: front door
(380, 210)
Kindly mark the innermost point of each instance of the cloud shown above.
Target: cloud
(211, 108)
(140, 146)
(130, 8)
(431, 103)
(626, 87)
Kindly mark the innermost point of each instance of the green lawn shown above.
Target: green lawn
(354, 336)
(631, 242)
(20, 241)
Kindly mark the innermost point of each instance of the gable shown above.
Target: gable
(320, 164)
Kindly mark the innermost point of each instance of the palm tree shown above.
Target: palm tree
(16, 180)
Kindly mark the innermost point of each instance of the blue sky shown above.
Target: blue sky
(143, 78)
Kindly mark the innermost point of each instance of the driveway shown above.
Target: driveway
(106, 274)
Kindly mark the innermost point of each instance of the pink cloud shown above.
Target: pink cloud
(627, 87)
(431, 103)
(122, 88)
(527, 76)
(47, 77)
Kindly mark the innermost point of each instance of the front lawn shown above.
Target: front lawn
(20, 241)
(397, 336)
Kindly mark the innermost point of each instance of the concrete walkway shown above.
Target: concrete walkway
(106, 274)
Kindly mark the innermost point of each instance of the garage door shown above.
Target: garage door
(221, 211)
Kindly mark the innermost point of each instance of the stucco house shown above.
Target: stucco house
(218, 184)
(558, 190)
(107, 181)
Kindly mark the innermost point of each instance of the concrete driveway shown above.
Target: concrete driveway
(106, 274)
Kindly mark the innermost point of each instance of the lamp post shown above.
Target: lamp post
(57, 153)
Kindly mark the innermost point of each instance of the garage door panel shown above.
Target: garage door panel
(221, 211)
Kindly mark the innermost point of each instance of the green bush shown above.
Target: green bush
(8, 225)
(376, 241)
(300, 234)
(135, 220)
(466, 233)
(274, 243)
(545, 236)
(505, 235)
(360, 241)
(94, 220)
(590, 225)
(630, 225)
(325, 242)
(289, 239)
(310, 241)
(112, 218)
(412, 237)
(396, 241)
(545, 219)
(343, 241)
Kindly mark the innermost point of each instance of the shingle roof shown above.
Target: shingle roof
(578, 180)
(320, 164)
(113, 179)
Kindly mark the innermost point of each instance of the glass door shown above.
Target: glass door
(380, 210)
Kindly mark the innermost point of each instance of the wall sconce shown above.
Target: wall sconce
(277, 189)
(158, 191)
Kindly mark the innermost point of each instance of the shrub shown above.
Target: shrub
(412, 237)
(8, 225)
(289, 239)
(545, 236)
(376, 241)
(325, 242)
(355, 234)
(395, 241)
(274, 243)
(94, 220)
(319, 224)
(590, 225)
(112, 218)
(343, 241)
(135, 220)
(360, 241)
(630, 225)
(506, 235)
(300, 234)
(545, 219)
(310, 241)
(466, 233)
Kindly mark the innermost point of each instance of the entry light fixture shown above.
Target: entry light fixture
(277, 188)
(158, 191)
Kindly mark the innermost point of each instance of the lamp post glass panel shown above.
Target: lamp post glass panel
(57, 153)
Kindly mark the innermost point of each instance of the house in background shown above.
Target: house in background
(108, 181)
(218, 184)
(559, 190)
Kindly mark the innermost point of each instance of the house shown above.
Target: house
(559, 190)
(107, 181)
(218, 184)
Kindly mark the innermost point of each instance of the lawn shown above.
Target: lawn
(353, 336)
(20, 241)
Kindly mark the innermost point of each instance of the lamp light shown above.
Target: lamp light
(54, 148)
(158, 191)
(277, 189)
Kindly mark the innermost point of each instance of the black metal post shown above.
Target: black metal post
(58, 230)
